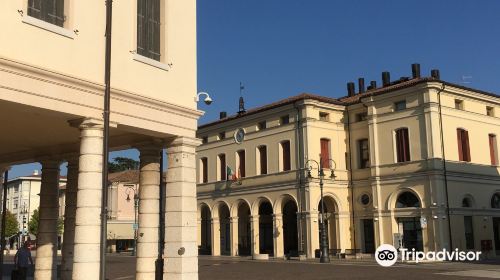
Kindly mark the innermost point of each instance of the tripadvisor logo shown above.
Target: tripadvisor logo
(387, 255)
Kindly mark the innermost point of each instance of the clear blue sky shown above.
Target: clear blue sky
(279, 48)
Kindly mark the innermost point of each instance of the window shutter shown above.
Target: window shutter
(460, 145)
(222, 159)
(492, 141)
(59, 12)
(325, 153)
(406, 145)
(242, 163)
(263, 160)
(154, 26)
(465, 137)
(141, 26)
(204, 161)
(34, 8)
(286, 155)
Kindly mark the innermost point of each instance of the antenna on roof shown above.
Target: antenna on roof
(242, 102)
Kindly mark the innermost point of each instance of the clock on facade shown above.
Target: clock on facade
(239, 135)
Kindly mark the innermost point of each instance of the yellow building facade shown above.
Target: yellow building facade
(415, 164)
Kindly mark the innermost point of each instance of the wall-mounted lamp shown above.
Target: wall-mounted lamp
(208, 100)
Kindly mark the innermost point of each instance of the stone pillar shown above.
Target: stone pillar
(254, 231)
(86, 259)
(181, 250)
(278, 235)
(46, 240)
(215, 236)
(234, 235)
(312, 233)
(149, 213)
(69, 219)
(2, 173)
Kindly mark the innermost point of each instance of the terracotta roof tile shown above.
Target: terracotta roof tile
(128, 176)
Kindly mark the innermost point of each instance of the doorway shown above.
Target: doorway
(368, 236)
(412, 233)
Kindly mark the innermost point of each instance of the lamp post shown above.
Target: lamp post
(136, 205)
(325, 256)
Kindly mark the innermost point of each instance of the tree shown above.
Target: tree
(11, 224)
(122, 163)
(33, 224)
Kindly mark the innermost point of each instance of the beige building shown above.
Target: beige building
(415, 160)
(51, 102)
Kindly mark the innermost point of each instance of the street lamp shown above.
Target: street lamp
(324, 257)
(136, 205)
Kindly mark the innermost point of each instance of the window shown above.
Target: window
(407, 199)
(324, 116)
(325, 153)
(490, 111)
(284, 120)
(466, 202)
(459, 104)
(204, 140)
(285, 156)
(51, 11)
(222, 135)
(463, 145)
(400, 105)
(261, 125)
(262, 160)
(361, 117)
(222, 167)
(493, 149)
(240, 169)
(469, 233)
(148, 28)
(365, 199)
(402, 145)
(204, 170)
(364, 153)
(495, 201)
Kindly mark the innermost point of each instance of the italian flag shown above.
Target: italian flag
(230, 174)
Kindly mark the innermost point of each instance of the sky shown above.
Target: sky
(280, 48)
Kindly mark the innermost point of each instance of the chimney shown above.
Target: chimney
(350, 89)
(35, 172)
(386, 78)
(222, 115)
(361, 85)
(435, 74)
(373, 85)
(415, 70)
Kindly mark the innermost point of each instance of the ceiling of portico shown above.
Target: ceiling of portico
(29, 133)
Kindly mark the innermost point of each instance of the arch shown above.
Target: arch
(225, 231)
(391, 201)
(281, 201)
(468, 201)
(217, 205)
(495, 200)
(237, 204)
(408, 199)
(290, 232)
(337, 202)
(205, 229)
(331, 221)
(266, 231)
(244, 231)
(256, 204)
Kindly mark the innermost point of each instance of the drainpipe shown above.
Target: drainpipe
(350, 177)
(444, 165)
(299, 163)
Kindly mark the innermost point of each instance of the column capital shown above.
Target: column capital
(215, 220)
(182, 141)
(86, 123)
(50, 163)
(278, 216)
(233, 219)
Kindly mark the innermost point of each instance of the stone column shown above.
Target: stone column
(2, 173)
(181, 250)
(215, 236)
(149, 212)
(234, 235)
(278, 235)
(46, 240)
(86, 259)
(254, 231)
(69, 219)
(312, 233)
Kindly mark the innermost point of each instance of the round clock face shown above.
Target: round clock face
(239, 135)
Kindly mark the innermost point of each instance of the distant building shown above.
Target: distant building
(416, 165)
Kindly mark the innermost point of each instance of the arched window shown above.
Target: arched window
(466, 202)
(495, 201)
(407, 199)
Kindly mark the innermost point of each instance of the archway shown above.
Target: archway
(410, 226)
(206, 231)
(290, 234)
(266, 228)
(244, 242)
(330, 222)
(225, 237)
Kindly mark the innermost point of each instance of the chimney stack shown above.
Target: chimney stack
(386, 78)
(373, 85)
(222, 115)
(415, 70)
(435, 74)
(361, 85)
(350, 89)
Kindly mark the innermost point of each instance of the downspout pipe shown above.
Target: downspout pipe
(350, 177)
(445, 172)
(299, 163)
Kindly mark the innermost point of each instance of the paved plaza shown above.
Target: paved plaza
(122, 267)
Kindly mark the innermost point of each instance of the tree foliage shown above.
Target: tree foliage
(35, 218)
(122, 163)
(11, 224)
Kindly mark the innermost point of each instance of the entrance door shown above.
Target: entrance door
(496, 233)
(412, 233)
(369, 236)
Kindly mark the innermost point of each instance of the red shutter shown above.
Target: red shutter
(241, 155)
(222, 159)
(492, 140)
(406, 145)
(325, 153)
(460, 145)
(465, 138)
(286, 155)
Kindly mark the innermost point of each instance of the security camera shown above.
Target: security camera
(208, 100)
